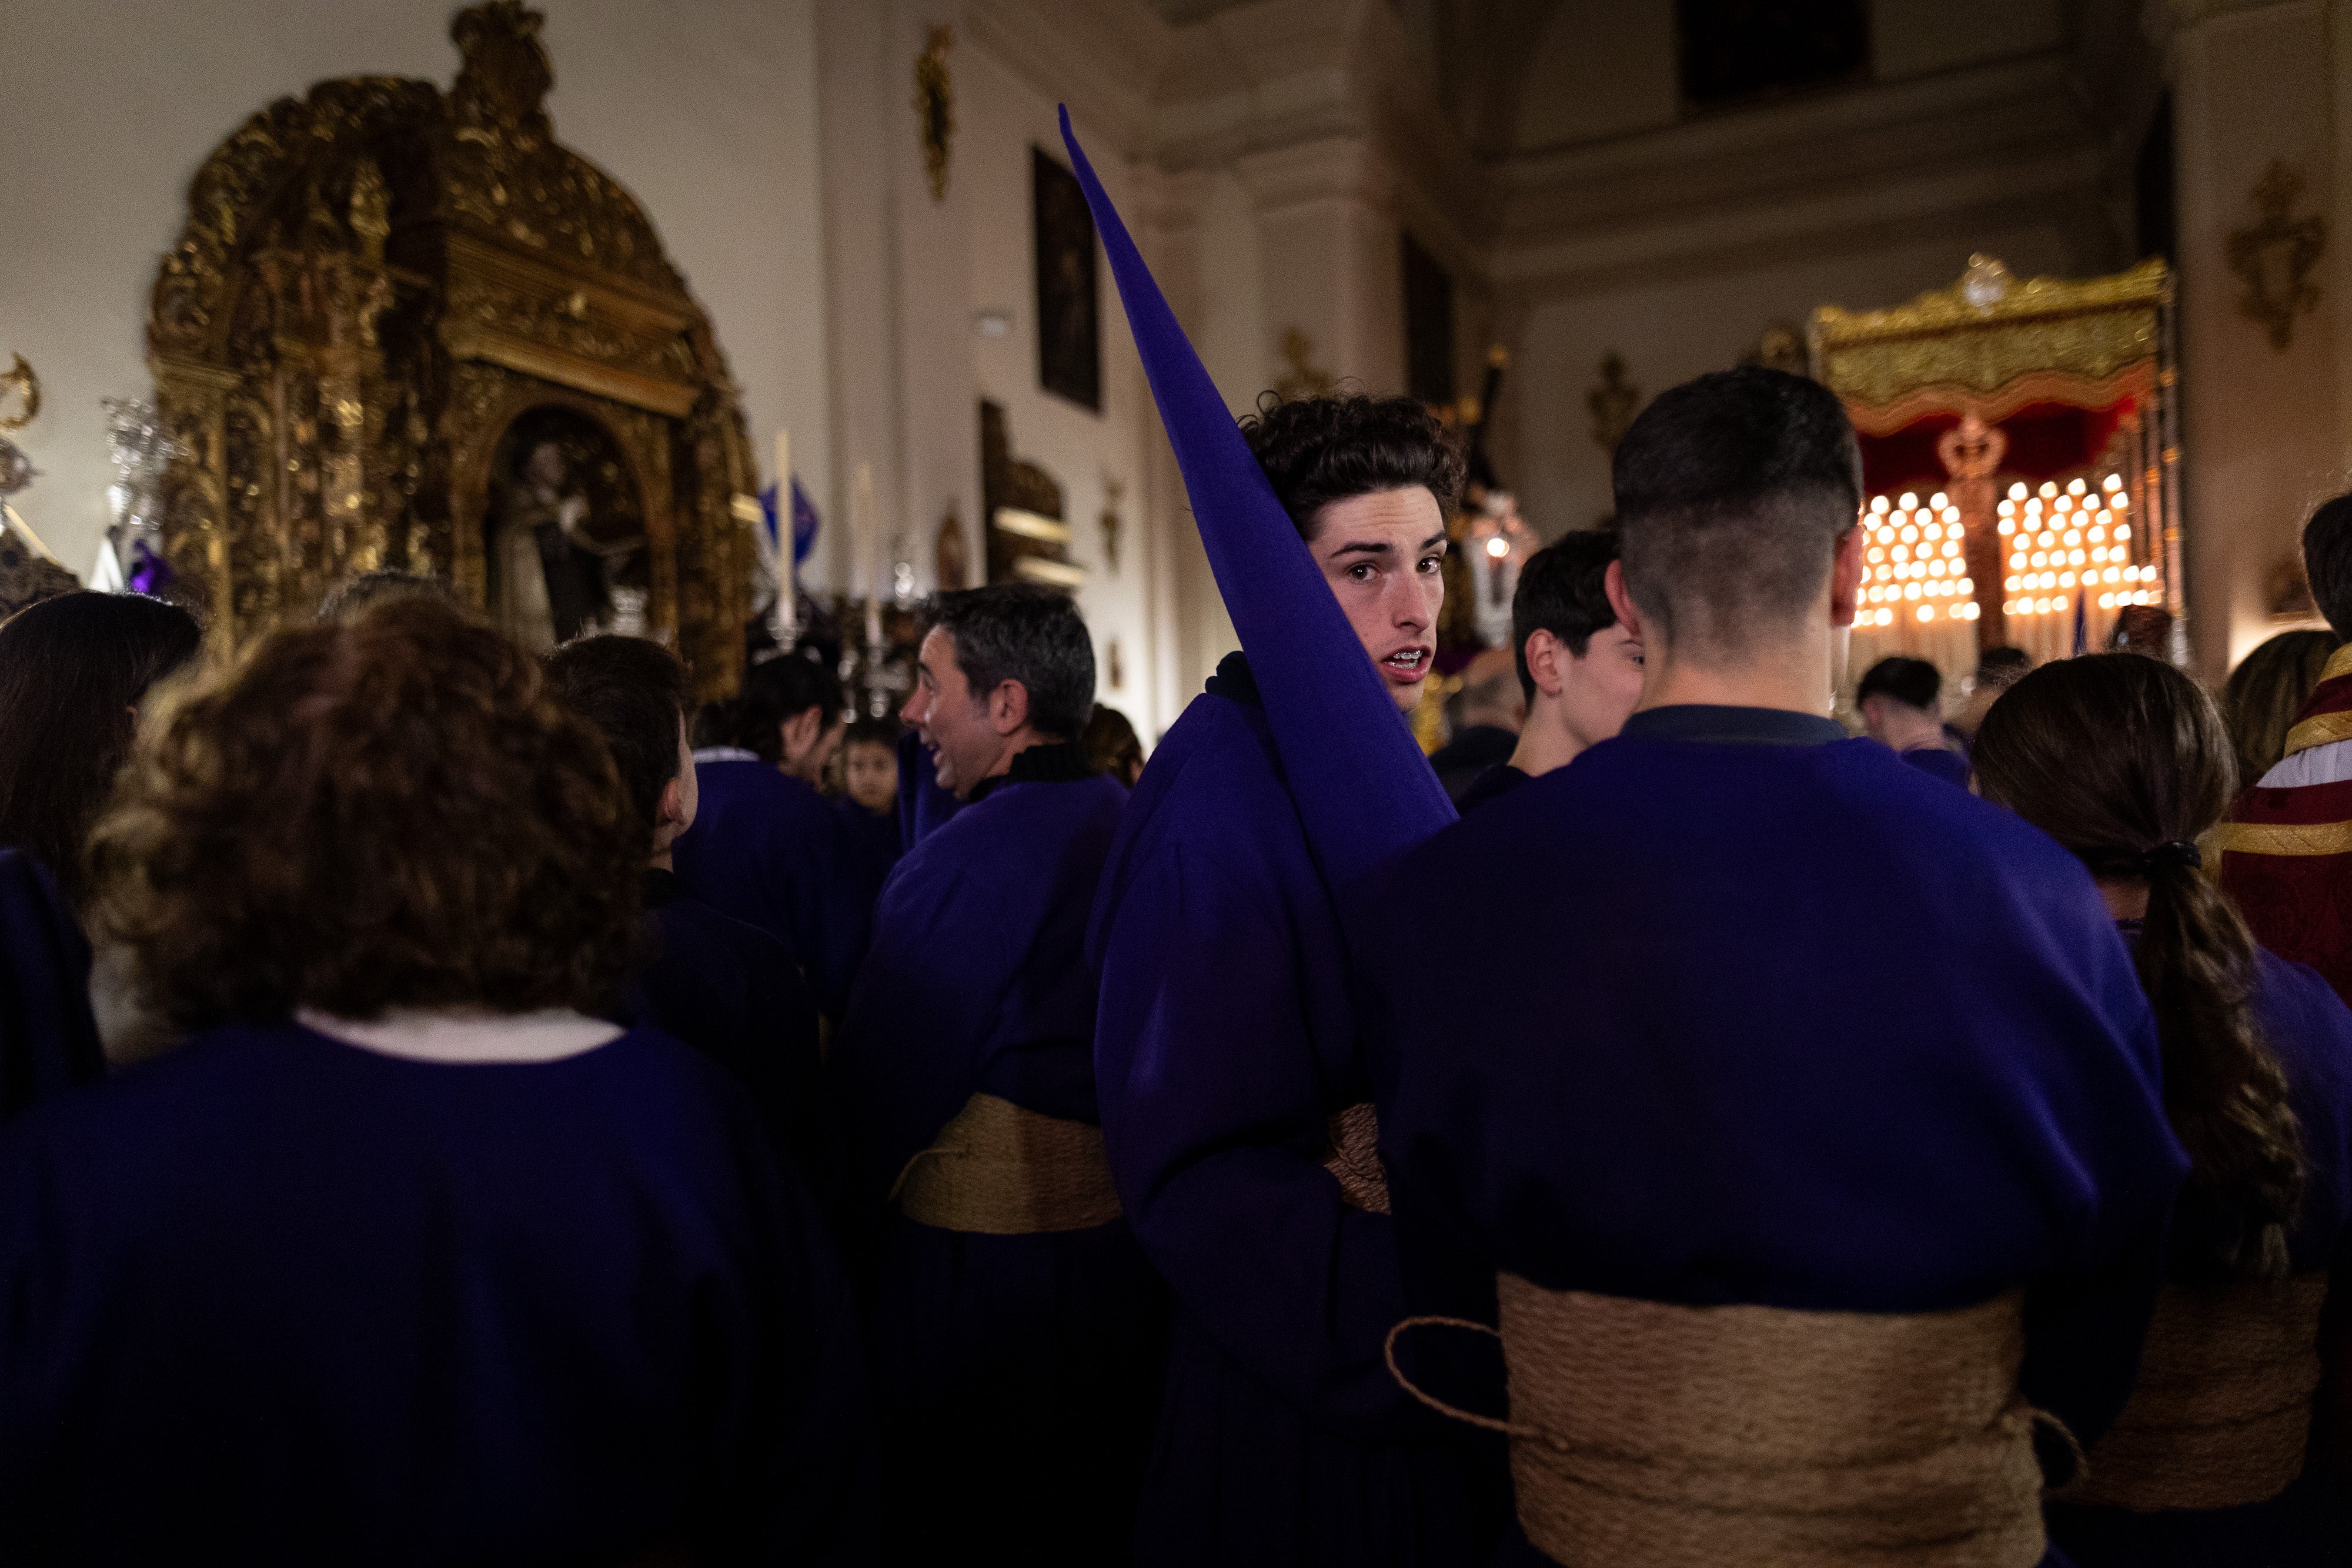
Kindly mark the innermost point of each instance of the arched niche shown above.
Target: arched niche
(375, 284)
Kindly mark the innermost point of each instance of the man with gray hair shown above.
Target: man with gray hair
(1016, 1325)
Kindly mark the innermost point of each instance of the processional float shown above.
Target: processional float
(2020, 462)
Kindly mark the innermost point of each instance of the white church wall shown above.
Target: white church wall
(1601, 68)
(2263, 431)
(1670, 332)
(706, 113)
(1001, 115)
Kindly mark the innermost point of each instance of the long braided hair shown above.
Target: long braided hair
(2125, 761)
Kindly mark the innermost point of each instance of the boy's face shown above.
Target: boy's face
(1602, 686)
(1382, 554)
(870, 772)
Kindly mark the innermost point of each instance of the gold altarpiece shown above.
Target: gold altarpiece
(2021, 461)
(379, 293)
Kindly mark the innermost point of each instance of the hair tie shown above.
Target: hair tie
(2173, 853)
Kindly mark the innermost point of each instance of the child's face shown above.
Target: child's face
(871, 773)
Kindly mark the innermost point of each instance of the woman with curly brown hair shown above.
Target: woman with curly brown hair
(2125, 761)
(403, 1256)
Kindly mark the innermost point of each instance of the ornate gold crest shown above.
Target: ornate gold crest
(2275, 256)
(379, 291)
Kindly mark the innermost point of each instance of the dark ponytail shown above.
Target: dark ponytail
(2125, 761)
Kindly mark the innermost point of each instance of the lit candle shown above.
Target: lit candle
(787, 616)
(867, 543)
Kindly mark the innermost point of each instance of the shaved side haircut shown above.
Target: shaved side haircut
(1732, 491)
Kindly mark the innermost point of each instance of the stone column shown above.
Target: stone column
(1329, 236)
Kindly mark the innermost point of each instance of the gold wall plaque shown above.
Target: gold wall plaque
(2274, 257)
(935, 107)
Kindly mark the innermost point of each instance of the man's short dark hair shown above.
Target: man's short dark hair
(1318, 450)
(777, 689)
(1028, 632)
(2003, 666)
(1731, 493)
(634, 691)
(1913, 681)
(1562, 591)
(2327, 562)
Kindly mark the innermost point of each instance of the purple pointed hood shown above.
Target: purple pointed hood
(1364, 791)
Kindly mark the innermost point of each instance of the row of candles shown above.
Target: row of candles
(2073, 540)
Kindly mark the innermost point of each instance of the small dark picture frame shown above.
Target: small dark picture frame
(1069, 315)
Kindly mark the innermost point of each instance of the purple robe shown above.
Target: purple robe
(274, 1298)
(1229, 1032)
(770, 851)
(2310, 1522)
(1798, 1027)
(1016, 1374)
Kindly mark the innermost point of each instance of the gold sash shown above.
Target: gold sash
(1000, 1170)
(2221, 1414)
(1353, 1158)
(1674, 1437)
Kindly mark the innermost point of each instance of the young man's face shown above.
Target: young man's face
(871, 773)
(1602, 686)
(1381, 554)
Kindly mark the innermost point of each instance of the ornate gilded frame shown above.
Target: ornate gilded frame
(373, 282)
(1990, 345)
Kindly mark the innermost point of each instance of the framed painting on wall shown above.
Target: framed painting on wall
(1069, 319)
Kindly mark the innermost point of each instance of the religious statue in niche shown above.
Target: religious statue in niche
(2274, 257)
(951, 558)
(1069, 338)
(28, 573)
(935, 107)
(566, 539)
(1972, 452)
(1112, 490)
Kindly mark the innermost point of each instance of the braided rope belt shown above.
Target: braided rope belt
(1673, 1437)
(2221, 1414)
(1000, 1170)
(1353, 1158)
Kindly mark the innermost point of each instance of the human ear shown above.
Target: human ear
(1008, 707)
(801, 733)
(1545, 654)
(1845, 578)
(671, 810)
(1621, 600)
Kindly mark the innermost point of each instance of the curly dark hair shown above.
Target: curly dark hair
(1318, 450)
(2114, 754)
(388, 811)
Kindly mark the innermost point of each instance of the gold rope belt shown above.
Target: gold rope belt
(1354, 1157)
(1674, 1437)
(2221, 1414)
(1000, 1170)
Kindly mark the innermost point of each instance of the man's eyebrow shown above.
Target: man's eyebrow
(1433, 540)
(1363, 547)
